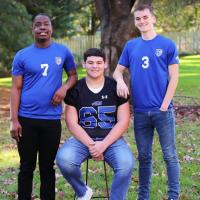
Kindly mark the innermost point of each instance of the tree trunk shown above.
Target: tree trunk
(117, 26)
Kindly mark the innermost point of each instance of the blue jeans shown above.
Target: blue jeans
(144, 125)
(118, 155)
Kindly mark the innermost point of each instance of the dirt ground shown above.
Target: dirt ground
(4, 102)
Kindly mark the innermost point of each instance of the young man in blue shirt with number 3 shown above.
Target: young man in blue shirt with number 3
(153, 64)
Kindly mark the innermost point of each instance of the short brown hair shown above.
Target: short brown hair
(94, 52)
(141, 7)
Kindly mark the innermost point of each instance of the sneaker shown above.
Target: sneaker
(88, 194)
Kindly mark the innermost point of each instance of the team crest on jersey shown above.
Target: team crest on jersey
(58, 60)
(97, 103)
(159, 52)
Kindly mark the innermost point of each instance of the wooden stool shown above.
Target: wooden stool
(105, 177)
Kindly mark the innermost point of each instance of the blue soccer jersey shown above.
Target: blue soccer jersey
(42, 70)
(148, 61)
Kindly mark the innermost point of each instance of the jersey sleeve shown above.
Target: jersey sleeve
(69, 61)
(172, 54)
(122, 100)
(124, 58)
(71, 97)
(17, 65)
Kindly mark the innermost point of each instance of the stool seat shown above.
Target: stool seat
(105, 177)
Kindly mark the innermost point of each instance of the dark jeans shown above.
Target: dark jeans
(144, 125)
(40, 137)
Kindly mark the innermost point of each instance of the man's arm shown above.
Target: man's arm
(123, 117)
(15, 127)
(61, 92)
(122, 89)
(173, 82)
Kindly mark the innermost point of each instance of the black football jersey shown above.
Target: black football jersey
(97, 112)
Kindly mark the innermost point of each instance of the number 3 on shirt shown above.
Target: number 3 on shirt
(45, 66)
(145, 60)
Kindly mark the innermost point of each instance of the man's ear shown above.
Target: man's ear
(83, 63)
(105, 65)
(154, 19)
(32, 32)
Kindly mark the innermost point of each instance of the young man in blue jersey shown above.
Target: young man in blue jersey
(36, 96)
(153, 64)
(97, 119)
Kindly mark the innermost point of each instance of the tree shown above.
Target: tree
(79, 17)
(117, 26)
(117, 22)
(15, 27)
(69, 18)
(179, 15)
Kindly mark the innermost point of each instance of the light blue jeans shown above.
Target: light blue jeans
(118, 155)
(144, 125)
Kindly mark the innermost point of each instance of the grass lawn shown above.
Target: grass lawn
(189, 78)
(188, 146)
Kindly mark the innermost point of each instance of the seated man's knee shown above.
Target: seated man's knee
(64, 162)
(127, 165)
(130, 163)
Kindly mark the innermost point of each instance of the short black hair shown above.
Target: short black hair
(94, 52)
(141, 7)
(41, 14)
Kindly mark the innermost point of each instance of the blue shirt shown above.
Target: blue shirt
(42, 70)
(148, 61)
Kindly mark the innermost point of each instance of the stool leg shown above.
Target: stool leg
(105, 177)
(105, 173)
(86, 175)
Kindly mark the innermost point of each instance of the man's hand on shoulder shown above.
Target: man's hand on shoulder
(122, 89)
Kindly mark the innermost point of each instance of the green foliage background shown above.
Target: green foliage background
(78, 17)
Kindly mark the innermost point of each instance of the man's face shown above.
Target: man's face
(144, 20)
(95, 66)
(42, 29)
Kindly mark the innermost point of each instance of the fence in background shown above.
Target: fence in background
(79, 44)
(187, 43)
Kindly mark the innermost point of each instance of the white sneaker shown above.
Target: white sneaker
(87, 195)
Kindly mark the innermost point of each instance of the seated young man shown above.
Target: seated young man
(97, 118)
